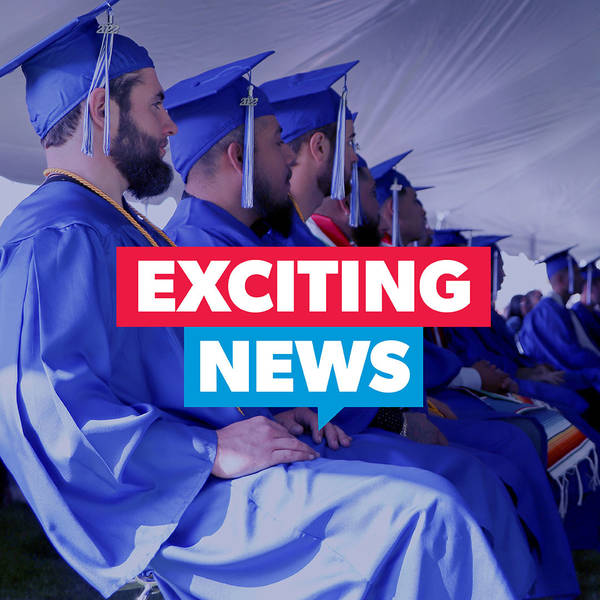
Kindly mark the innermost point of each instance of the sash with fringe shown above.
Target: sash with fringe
(568, 447)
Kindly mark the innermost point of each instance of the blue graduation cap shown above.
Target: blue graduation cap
(483, 241)
(304, 102)
(209, 106)
(590, 267)
(452, 237)
(491, 241)
(591, 264)
(65, 67)
(557, 262)
(422, 188)
(387, 180)
(592, 273)
(385, 175)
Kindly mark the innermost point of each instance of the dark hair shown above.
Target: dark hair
(514, 308)
(120, 91)
(207, 163)
(329, 131)
(363, 173)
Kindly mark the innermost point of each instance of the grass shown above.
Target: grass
(30, 568)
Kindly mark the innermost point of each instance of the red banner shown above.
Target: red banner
(301, 287)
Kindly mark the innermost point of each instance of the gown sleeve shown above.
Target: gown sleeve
(108, 479)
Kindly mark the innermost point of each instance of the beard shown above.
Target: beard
(366, 234)
(324, 180)
(278, 212)
(137, 157)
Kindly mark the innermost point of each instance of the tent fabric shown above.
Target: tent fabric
(499, 99)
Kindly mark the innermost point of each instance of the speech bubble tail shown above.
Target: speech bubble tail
(326, 413)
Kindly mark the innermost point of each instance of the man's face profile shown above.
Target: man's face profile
(142, 137)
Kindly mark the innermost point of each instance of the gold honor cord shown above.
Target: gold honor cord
(295, 203)
(99, 192)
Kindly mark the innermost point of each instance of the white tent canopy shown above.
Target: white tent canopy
(499, 98)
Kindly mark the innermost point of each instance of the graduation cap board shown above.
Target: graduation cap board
(482, 241)
(304, 102)
(65, 67)
(388, 180)
(209, 106)
(452, 237)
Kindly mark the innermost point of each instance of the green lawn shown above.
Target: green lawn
(30, 569)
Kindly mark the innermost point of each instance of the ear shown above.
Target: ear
(97, 107)
(388, 208)
(234, 157)
(319, 147)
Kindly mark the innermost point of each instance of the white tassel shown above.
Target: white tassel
(396, 237)
(99, 79)
(107, 61)
(571, 275)
(563, 484)
(248, 169)
(579, 486)
(593, 460)
(338, 188)
(355, 218)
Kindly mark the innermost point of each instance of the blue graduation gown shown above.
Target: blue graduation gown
(118, 471)
(197, 222)
(473, 344)
(219, 227)
(590, 321)
(477, 343)
(498, 336)
(300, 234)
(549, 336)
(501, 445)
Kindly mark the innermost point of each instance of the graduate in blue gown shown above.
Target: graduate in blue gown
(586, 309)
(119, 473)
(551, 333)
(312, 116)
